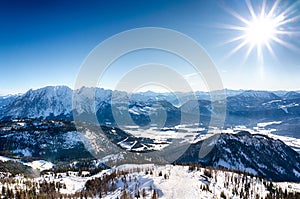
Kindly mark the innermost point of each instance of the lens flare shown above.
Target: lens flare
(267, 24)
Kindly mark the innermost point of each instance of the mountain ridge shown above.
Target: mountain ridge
(250, 153)
(63, 102)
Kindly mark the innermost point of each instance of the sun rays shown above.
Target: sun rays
(265, 25)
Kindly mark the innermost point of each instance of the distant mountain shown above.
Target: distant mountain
(264, 95)
(257, 105)
(197, 111)
(61, 102)
(153, 96)
(197, 107)
(280, 93)
(250, 107)
(45, 102)
(249, 153)
(139, 113)
(251, 98)
(291, 95)
(5, 100)
(144, 108)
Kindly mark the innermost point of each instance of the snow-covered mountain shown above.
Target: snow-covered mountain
(250, 99)
(7, 99)
(55, 101)
(256, 154)
(291, 95)
(44, 102)
(142, 108)
(263, 95)
(251, 107)
(62, 102)
(146, 181)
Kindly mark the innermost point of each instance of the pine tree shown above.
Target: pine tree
(144, 193)
(165, 176)
(137, 194)
(154, 195)
(160, 173)
(3, 191)
(222, 195)
(124, 195)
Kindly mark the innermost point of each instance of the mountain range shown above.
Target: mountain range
(39, 125)
(242, 107)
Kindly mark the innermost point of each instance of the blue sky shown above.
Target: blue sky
(45, 42)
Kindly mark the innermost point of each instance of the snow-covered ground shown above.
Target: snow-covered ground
(180, 132)
(168, 181)
(174, 181)
(5, 159)
(40, 165)
(180, 183)
(264, 124)
(192, 133)
(262, 128)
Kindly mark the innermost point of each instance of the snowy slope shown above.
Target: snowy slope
(248, 152)
(47, 101)
(165, 182)
(40, 165)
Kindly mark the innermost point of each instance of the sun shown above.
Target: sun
(260, 31)
(265, 26)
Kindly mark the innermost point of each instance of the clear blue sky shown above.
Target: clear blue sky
(44, 42)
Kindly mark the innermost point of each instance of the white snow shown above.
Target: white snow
(5, 159)
(134, 111)
(261, 129)
(107, 158)
(192, 135)
(296, 173)
(161, 136)
(24, 152)
(174, 182)
(272, 101)
(37, 164)
(73, 184)
(123, 144)
(40, 165)
(223, 163)
(71, 138)
(181, 184)
(23, 124)
(264, 124)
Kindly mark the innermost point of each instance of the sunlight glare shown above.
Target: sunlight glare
(260, 31)
(265, 25)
